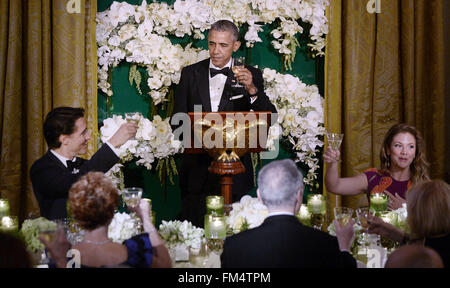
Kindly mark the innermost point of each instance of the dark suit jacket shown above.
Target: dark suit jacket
(52, 180)
(195, 180)
(282, 241)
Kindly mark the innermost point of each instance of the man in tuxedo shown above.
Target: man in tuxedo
(53, 174)
(281, 240)
(209, 83)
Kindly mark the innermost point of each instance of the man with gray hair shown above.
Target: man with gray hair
(282, 241)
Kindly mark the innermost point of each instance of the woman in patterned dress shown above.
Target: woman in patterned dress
(403, 164)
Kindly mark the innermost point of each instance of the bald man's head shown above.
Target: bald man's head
(414, 256)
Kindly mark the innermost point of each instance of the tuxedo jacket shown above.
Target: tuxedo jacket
(52, 180)
(195, 180)
(282, 241)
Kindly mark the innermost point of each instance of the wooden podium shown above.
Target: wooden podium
(226, 136)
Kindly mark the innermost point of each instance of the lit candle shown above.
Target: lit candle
(4, 207)
(316, 204)
(215, 204)
(303, 215)
(217, 227)
(378, 202)
(9, 224)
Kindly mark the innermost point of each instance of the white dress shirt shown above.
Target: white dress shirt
(216, 86)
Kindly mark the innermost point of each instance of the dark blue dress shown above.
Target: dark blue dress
(140, 253)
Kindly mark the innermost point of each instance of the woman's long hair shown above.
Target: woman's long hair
(419, 166)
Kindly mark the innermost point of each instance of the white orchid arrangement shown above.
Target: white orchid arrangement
(300, 116)
(248, 213)
(137, 34)
(176, 232)
(122, 227)
(154, 141)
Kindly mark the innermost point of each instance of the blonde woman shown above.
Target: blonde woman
(428, 219)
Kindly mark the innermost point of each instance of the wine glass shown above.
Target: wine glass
(238, 64)
(334, 140)
(133, 117)
(364, 214)
(131, 197)
(343, 215)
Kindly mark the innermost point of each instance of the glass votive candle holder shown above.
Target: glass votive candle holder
(389, 217)
(9, 224)
(215, 226)
(316, 204)
(4, 207)
(378, 202)
(215, 205)
(304, 216)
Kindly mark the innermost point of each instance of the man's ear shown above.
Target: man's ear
(63, 139)
(259, 195)
(236, 45)
(300, 195)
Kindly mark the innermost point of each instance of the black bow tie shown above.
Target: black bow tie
(74, 164)
(223, 71)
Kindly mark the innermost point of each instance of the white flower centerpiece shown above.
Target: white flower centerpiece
(248, 213)
(154, 140)
(122, 227)
(179, 236)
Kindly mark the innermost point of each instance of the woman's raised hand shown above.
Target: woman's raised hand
(331, 155)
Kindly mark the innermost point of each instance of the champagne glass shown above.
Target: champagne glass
(334, 140)
(238, 64)
(131, 197)
(343, 215)
(134, 117)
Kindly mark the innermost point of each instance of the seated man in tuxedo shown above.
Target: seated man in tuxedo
(281, 240)
(209, 83)
(53, 174)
